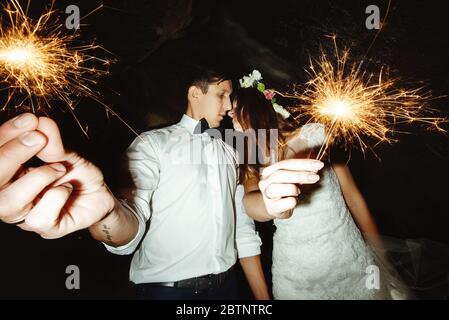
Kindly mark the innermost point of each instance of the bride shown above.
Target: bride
(328, 247)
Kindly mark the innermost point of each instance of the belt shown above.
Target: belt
(210, 281)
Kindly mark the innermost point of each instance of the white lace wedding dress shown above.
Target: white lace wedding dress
(319, 253)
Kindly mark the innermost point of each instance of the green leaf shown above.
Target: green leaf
(261, 87)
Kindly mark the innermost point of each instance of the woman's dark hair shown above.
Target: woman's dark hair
(254, 111)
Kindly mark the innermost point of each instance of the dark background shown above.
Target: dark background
(406, 190)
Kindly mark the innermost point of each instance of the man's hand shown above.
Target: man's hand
(66, 194)
(279, 183)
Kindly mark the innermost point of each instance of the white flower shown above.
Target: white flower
(251, 79)
(281, 110)
(256, 75)
(246, 82)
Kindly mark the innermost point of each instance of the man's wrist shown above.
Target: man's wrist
(110, 218)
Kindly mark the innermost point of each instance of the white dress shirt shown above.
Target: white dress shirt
(185, 188)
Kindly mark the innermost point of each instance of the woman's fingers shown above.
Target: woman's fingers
(299, 165)
(280, 206)
(280, 183)
(277, 191)
(289, 177)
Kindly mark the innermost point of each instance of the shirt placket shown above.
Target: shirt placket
(215, 199)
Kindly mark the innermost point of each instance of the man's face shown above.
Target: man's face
(216, 102)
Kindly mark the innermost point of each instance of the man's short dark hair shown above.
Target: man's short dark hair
(202, 75)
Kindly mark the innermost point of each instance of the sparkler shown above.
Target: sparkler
(40, 64)
(353, 104)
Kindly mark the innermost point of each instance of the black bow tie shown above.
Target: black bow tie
(203, 126)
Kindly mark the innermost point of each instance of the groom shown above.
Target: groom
(188, 250)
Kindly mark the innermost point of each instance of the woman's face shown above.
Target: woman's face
(233, 115)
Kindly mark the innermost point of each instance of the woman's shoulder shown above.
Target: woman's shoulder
(307, 137)
(313, 133)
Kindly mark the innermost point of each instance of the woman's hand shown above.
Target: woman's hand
(277, 191)
(280, 183)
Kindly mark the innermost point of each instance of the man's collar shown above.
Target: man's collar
(189, 123)
(195, 126)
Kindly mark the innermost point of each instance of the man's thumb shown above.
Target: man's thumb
(54, 150)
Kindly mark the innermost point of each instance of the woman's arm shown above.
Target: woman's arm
(357, 205)
(252, 267)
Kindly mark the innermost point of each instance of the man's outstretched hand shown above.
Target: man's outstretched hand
(64, 195)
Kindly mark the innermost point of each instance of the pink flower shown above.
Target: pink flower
(269, 94)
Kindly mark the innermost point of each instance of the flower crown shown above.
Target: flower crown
(253, 80)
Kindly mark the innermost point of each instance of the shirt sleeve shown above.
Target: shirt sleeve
(141, 172)
(247, 239)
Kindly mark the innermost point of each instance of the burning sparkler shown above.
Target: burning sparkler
(39, 64)
(353, 104)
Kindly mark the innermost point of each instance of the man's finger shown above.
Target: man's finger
(15, 200)
(21, 172)
(54, 150)
(45, 215)
(294, 165)
(85, 173)
(285, 176)
(18, 151)
(13, 128)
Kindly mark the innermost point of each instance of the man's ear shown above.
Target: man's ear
(193, 93)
